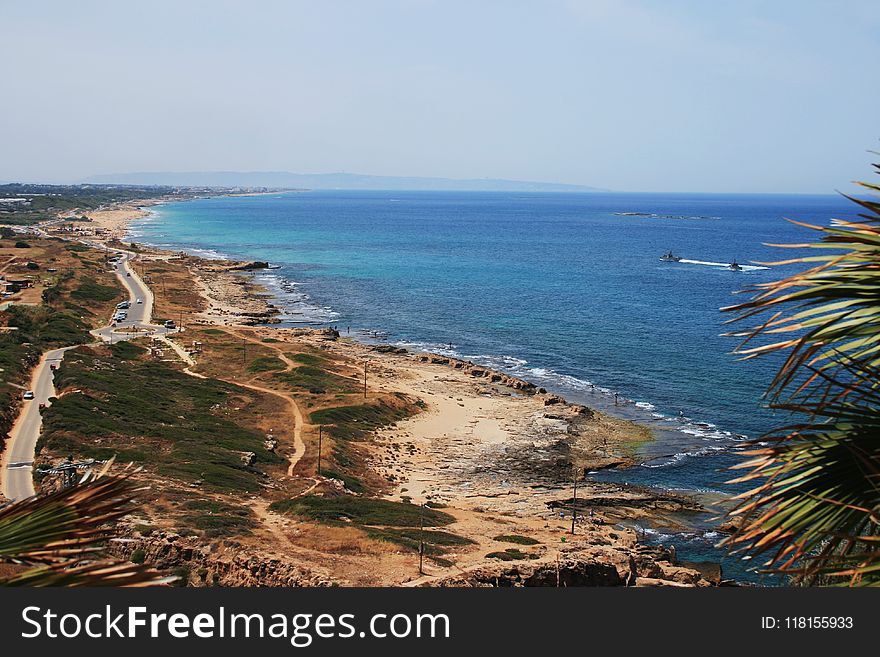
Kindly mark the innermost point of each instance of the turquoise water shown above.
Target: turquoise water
(562, 289)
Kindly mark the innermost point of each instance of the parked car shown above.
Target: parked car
(28, 394)
(123, 304)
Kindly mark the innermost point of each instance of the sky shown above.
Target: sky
(629, 95)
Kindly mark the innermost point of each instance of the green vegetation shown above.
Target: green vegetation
(216, 519)
(362, 510)
(180, 426)
(346, 424)
(138, 556)
(351, 482)
(90, 290)
(399, 523)
(46, 201)
(515, 538)
(357, 422)
(317, 381)
(815, 505)
(307, 359)
(435, 542)
(266, 364)
(127, 350)
(39, 329)
(45, 328)
(510, 554)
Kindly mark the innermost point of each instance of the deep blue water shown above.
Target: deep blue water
(556, 288)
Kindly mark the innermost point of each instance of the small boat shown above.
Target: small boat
(734, 266)
(669, 256)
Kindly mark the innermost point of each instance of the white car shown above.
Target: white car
(140, 301)
(28, 394)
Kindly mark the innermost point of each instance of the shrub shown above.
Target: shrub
(362, 510)
(514, 538)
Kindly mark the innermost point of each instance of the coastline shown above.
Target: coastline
(234, 297)
(488, 444)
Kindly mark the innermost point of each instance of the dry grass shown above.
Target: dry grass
(339, 540)
(175, 293)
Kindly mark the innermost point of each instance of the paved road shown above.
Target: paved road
(18, 457)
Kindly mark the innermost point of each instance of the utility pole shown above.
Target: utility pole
(244, 353)
(574, 499)
(421, 538)
(365, 378)
(180, 323)
(320, 440)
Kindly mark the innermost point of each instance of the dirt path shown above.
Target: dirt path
(299, 446)
(184, 356)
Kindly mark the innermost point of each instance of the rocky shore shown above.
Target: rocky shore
(497, 452)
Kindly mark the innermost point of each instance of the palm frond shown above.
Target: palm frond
(59, 536)
(813, 510)
(98, 573)
(66, 523)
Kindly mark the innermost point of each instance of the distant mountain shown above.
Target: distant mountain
(284, 179)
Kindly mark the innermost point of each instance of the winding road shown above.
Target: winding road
(16, 465)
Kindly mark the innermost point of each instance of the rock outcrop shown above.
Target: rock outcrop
(218, 565)
(480, 372)
(600, 566)
(250, 266)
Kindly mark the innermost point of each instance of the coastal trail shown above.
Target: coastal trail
(299, 446)
(298, 443)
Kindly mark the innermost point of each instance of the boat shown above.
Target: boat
(669, 256)
(734, 266)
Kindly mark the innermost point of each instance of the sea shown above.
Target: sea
(565, 290)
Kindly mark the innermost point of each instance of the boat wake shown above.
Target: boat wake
(721, 265)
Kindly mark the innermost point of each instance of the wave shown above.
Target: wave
(707, 536)
(704, 438)
(295, 305)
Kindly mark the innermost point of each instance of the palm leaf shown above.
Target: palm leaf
(66, 523)
(60, 536)
(813, 509)
(98, 573)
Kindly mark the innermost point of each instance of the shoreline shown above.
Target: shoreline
(487, 443)
(236, 298)
(265, 305)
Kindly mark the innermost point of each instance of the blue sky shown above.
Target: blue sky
(630, 95)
